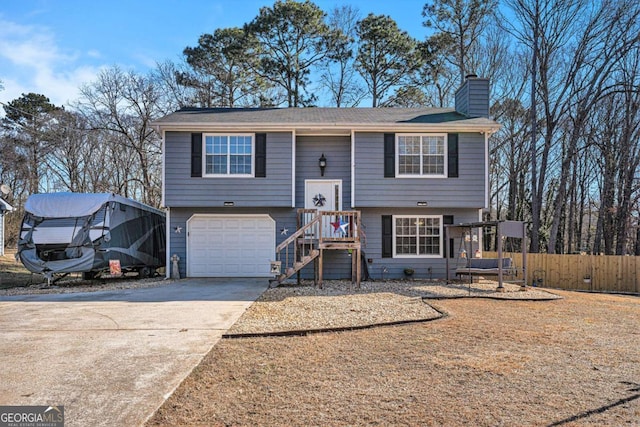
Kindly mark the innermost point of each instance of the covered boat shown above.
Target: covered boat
(79, 232)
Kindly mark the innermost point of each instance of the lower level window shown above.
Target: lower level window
(417, 236)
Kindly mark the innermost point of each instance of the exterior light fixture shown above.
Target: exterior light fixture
(322, 162)
(422, 203)
(229, 203)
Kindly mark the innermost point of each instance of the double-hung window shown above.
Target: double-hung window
(229, 155)
(417, 236)
(421, 155)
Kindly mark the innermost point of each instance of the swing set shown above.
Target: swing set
(470, 263)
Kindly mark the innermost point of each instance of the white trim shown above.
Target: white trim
(486, 172)
(228, 174)
(197, 216)
(393, 224)
(353, 169)
(293, 168)
(444, 174)
(167, 255)
(164, 171)
(326, 127)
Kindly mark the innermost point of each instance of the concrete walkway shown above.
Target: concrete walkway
(112, 357)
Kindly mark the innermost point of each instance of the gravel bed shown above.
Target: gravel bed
(340, 305)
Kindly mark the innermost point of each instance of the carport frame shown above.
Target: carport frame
(516, 229)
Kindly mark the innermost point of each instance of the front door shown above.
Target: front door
(324, 195)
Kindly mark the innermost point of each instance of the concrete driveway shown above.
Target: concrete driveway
(113, 357)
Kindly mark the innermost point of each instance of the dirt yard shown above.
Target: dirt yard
(13, 274)
(15, 279)
(570, 362)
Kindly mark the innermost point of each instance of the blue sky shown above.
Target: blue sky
(54, 46)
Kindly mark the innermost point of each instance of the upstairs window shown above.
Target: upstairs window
(420, 155)
(229, 155)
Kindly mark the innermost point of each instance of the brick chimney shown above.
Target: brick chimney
(472, 99)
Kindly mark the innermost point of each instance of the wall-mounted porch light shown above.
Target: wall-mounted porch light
(322, 162)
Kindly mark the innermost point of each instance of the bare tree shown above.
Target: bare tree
(459, 24)
(123, 105)
(543, 26)
(338, 74)
(610, 33)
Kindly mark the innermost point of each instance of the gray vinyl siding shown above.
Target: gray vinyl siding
(374, 190)
(284, 218)
(181, 190)
(337, 263)
(394, 267)
(337, 150)
(462, 101)
(472, 99)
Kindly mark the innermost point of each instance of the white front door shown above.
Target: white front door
(324, 195)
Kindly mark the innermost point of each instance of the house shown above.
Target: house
(4, 208)
(236, 182)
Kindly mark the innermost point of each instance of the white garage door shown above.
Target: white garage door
(230, 245)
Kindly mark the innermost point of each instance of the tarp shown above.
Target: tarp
(76, 232)
(69, 205)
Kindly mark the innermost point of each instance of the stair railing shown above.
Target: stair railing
(297, 246)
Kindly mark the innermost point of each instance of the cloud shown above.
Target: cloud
(32, 61)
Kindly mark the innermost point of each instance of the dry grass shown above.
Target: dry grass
(574, 361)
(13, 274)
(15, 279)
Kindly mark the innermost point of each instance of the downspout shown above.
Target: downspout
(167, 252)
(293, 168)
(353, 169)
(486, 169)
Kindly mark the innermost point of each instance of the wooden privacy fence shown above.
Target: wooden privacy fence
(605, 273)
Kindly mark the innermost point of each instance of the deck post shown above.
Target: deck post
(358, 267)
(315, 272)
(320, 266)
(499, 232)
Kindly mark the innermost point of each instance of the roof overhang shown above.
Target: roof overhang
(327, 128)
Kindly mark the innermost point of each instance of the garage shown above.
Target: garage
(230, 245)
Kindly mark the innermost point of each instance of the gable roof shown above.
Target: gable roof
(327, 119)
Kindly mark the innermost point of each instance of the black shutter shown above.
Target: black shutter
(389, 155)
(196, 155)
(448, 219)
(387, 236)
(452, 155)
(261, 155)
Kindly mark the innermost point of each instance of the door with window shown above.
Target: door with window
(324, 195)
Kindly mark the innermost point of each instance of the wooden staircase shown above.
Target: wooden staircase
(316, 233)
(298, 250)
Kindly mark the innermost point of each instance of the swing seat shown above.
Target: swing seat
(485, 267)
